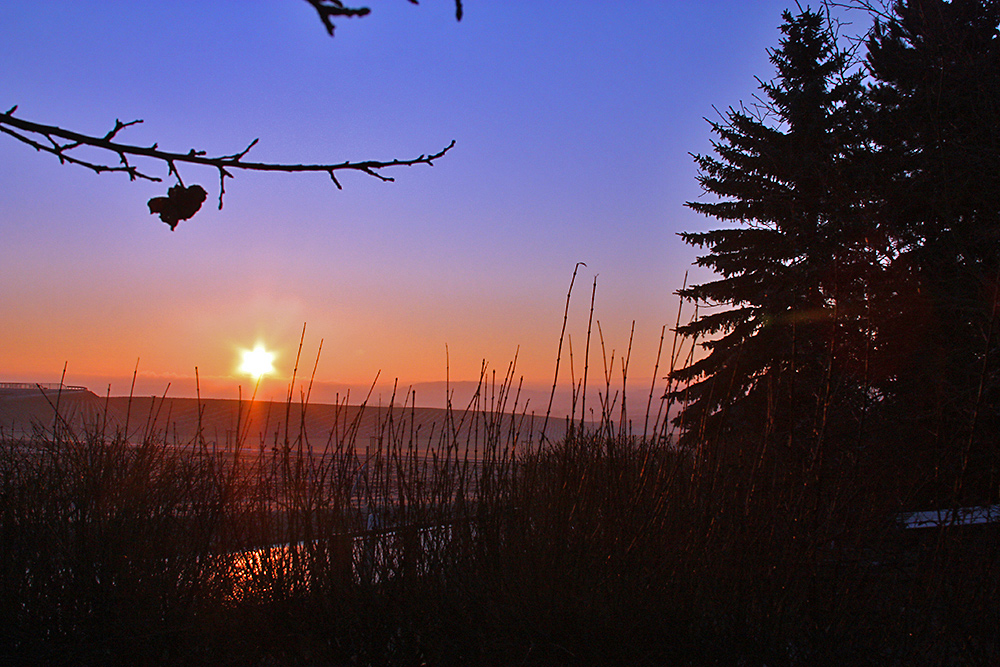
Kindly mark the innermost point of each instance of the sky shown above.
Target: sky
(573, 121)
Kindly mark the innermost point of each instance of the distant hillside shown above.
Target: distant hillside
(177, 421)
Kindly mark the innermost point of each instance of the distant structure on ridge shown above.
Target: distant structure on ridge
(15, 388)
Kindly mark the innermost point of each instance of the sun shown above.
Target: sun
(257, 362)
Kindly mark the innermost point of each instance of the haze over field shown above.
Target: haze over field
(228, 424)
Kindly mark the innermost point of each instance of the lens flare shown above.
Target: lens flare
(257, 362)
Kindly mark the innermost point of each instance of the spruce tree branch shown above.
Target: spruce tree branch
(59, 142)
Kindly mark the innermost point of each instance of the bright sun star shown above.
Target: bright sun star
(257, 362)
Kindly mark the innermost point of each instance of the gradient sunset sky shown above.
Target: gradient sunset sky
(573, 124)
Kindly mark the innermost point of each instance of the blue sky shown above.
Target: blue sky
(573, 124)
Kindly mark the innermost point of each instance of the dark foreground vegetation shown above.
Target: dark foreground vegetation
(604, 548)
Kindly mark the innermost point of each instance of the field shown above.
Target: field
(405, 536)
(257, 425)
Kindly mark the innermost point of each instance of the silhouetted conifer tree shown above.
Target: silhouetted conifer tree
(788, 339)
(936, 71)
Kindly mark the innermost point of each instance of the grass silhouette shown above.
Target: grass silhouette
(488, 546)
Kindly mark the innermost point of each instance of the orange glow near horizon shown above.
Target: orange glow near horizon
(257, 362)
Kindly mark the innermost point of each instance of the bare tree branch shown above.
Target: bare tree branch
(854, 41)
(880, 10)
(330, 8)
(181, 201)
(59, 142)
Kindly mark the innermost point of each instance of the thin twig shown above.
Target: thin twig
(62, 141)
